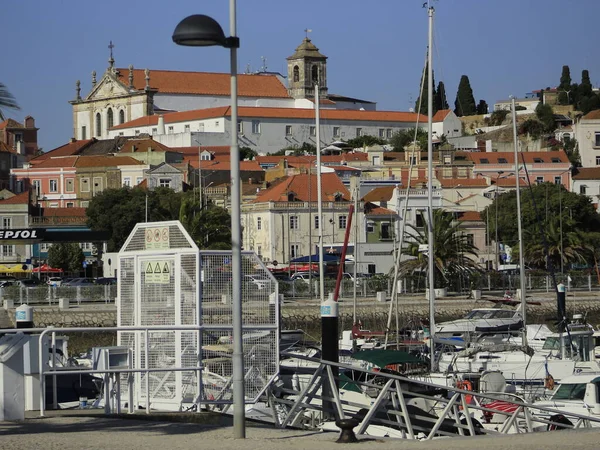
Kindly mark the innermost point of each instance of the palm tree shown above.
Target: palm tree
(6, 100)
(455, 255)
(566, 247)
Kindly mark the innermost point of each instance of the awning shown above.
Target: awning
(382, 358)
(45, 268)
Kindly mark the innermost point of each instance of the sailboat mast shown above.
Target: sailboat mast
(519, 226)
(319, 197)
(431, 257)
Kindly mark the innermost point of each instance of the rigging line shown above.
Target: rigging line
(405, 206)
(540, 226)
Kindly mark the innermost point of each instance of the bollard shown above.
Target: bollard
(347, 426)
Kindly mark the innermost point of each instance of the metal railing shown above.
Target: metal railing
(49, 295)
(390, 399)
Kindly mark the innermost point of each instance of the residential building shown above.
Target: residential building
(165, 175)
(267, 129)
(282, 222)
(529, 103)
(586, 181)
(446, 123)
(587, 133)
(20, 137)
(15, 213)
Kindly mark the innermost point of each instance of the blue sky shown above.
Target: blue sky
(376, 49)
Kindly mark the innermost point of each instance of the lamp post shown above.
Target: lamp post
(201, 31)
(496, 222)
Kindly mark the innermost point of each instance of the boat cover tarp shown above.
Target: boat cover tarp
(501, 328)
(382, 358)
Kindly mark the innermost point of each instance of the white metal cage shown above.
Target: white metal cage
(165, 280)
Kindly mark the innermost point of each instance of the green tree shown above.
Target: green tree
(570, 148)
(210, 227)
(119, 210)
(246, 153)
(545, 115)
(564, 87)
(552, 201)
(305, 149)
(454, 254)
(365, 141)
(439, 102)
(482, 107)
(585, 88)
(464, 105)
(7, 101)
(497, 117)
(421, 103)
(66, 256)
(405, 137)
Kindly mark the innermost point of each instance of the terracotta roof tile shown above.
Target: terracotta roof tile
(374, 210)
(245, 166)
(106, 161)
(5, 148)
(19, 199)
(381, 194)
(142, 145)
(440, 115)
(469, 216)
(304, 186)
(60, 161)
(10, 123)
(69, 149)
(587, 173)
(592, 115)
(63, 212)
(218, 149)
(206, 83)
(282, 113)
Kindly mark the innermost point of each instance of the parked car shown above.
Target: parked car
(79, 282)
(304, 276)
(6, 283)
(261, 281)
(54, 281)
(27, 282)
(106, 280)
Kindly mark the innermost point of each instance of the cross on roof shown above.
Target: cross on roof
(307, 30)
(111, 60)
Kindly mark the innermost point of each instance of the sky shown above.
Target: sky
(376, 49)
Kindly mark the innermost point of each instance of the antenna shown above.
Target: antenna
(248, 69)
(264, 64)
(306, 31)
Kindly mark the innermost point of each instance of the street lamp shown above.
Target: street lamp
(202, 31)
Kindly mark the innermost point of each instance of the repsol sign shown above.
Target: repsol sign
(32, 233)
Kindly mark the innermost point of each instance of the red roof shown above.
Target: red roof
(10, 123)
(374, 210)
(279, 113)
(440, 115)
(304, 186)
(592, 115)
(69, 149)
(5, 148)
(19, 199)
(587, 173)
(218, 149)
(63, 212)
(462, 182)
(88, 161)
(142, 145)
(245, 166)
(381, 194)
(469, 216)
(206, 83)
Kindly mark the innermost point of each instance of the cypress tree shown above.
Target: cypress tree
(564, 86)
(482, 107)
(440, 101)
(585, 88)
(424, 79)
(464, 105)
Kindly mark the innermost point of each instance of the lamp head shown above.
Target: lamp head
(199, 30)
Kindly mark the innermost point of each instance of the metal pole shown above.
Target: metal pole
(356, 194)
(146, 205)
(519, 226)
(239, 412)
(496, 225)
(310, 224)
(561, 233)
(431, 256)
(319, 198)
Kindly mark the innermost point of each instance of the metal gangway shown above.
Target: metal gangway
(387, 404)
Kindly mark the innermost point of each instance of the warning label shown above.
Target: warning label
(157, 238)
(157, 272)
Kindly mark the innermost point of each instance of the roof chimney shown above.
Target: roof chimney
(161, 125)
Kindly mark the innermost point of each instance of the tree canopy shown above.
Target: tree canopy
(365, 141)
(210, 227)
(564, 87)
(439, 101)
(482, 107)
(555, 206)
(405, 137)
(66, 256)
(464, 104)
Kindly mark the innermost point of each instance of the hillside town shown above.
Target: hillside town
(146, 129)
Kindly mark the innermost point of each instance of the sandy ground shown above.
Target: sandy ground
(67, 433)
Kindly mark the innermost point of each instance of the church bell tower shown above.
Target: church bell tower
(307, 67)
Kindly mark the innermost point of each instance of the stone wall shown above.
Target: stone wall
(56, 317)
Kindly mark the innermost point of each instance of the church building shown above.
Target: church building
(122, 95)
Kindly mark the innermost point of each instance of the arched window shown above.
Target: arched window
(121, 116)
(109, 118)
(296, 74)
(98, 124)
(315, 74)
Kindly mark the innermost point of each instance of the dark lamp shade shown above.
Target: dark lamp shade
(199, 31)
